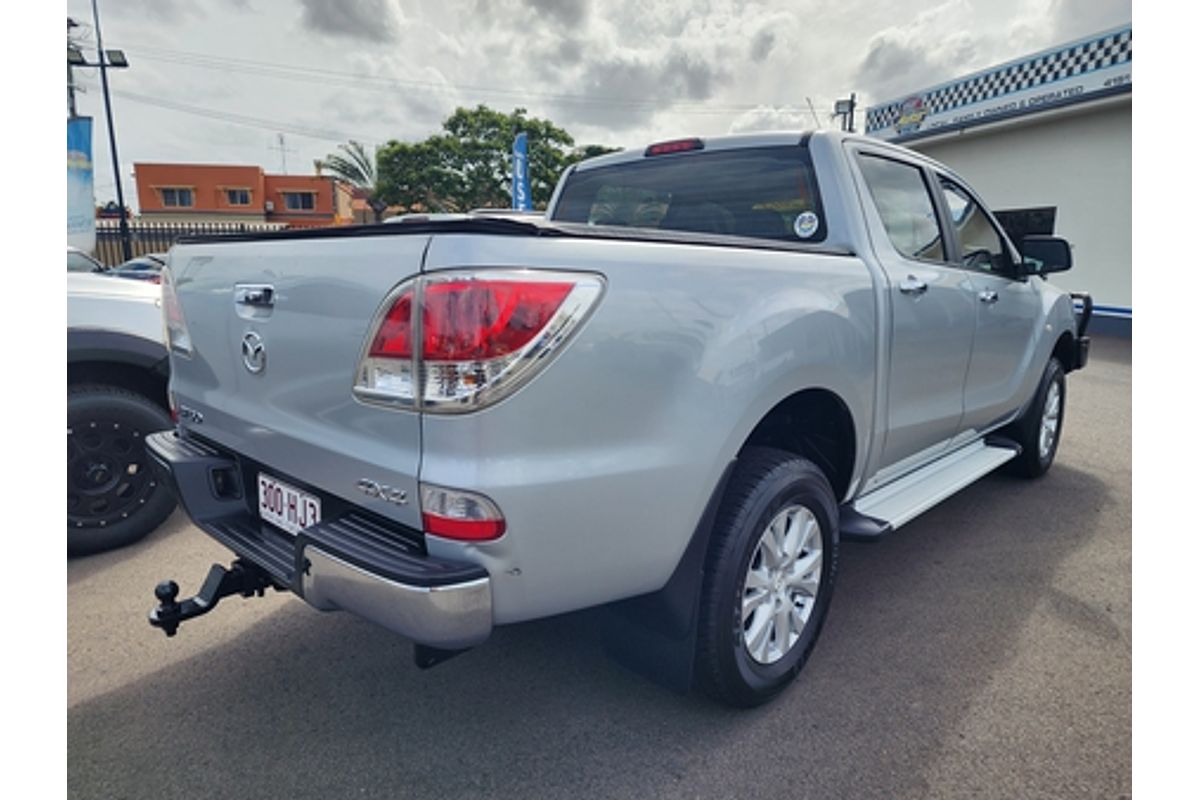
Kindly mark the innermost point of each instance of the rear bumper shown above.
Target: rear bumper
(351, 561)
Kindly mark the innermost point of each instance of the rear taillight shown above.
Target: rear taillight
(477, 320)
(178, 339)
(457, 514)
(477, 337)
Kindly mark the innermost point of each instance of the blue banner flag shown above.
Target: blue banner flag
(81, 199)
(520, 177)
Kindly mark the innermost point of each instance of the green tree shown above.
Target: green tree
(469, 165)
(419, 175)
(357, 167)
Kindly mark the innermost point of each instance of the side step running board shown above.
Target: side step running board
(889, 507)
(856, 527)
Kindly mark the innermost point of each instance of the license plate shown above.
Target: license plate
(286, 506)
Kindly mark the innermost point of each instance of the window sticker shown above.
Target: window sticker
(806, 224)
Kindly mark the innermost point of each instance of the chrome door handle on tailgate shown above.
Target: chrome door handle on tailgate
(261, 296)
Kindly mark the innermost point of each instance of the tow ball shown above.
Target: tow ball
(241, 578)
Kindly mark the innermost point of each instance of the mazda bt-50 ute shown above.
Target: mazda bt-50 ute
(672, 396)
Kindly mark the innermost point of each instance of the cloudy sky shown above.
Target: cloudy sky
(221, 80)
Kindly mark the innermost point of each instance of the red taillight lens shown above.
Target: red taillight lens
(463, 529)
(394, 338)
(459, 514)
(483, 334)
(470, 320)
(474, 320)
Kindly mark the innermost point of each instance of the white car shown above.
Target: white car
(79, 261)
(117, 372)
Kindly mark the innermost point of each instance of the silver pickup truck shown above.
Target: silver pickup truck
(673, 396)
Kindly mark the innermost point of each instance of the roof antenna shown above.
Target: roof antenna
(813, 111)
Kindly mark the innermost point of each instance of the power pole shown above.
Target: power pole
(283, 150)
(71, 110)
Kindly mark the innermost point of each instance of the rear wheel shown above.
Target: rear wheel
(768, 578)
(113, 495)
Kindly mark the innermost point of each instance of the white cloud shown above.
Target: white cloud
(618, 72)
(768, 118)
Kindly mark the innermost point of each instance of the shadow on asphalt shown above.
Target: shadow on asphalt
(305, 704)
(82, 568)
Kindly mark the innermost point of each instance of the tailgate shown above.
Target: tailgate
(296, 416)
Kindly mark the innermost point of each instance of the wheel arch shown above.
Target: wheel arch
(118, 359)
(816, 424)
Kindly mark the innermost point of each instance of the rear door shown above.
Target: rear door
(1008, 312)
(932, 311)
(277, 329)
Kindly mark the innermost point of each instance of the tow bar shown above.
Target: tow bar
(242, 578)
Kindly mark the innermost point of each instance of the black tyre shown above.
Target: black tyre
(1039, 429)
(113, 496)
(768, 578)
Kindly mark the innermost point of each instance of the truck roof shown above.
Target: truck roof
(744, 140)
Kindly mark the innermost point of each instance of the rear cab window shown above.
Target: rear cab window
(905, 206)
(761, 193)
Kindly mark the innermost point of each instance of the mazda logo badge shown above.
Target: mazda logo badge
(254, 354)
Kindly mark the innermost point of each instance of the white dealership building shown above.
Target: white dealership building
(1046, 139)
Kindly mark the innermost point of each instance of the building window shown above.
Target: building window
(237, 197)
(177, 198)
(300, 201)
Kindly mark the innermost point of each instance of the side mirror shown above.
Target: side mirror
(1044, 254)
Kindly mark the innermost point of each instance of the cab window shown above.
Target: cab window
(905, 206)
(760, 193)
(980, 244)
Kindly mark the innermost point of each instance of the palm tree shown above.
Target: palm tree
(356, 166)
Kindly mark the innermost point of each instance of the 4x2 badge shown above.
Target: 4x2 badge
(374, 489)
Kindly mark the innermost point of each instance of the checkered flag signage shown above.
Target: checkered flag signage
(1115, 48)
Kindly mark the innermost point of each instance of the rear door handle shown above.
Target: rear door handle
(988, 296)
(913, 285)
(260, 296)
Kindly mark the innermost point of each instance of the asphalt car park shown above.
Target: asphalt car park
(984, 650)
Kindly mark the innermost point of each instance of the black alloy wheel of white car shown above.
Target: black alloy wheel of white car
(1039, 429)
(768, 577)
(113, 496)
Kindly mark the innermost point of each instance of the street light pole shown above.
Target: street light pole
(126, 245)
(71, 112)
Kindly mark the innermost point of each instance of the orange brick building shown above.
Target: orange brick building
(227, 193)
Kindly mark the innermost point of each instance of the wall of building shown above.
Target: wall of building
(322, 213)
(1080, 162)
(208, 183)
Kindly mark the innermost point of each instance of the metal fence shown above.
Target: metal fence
(157, 237)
